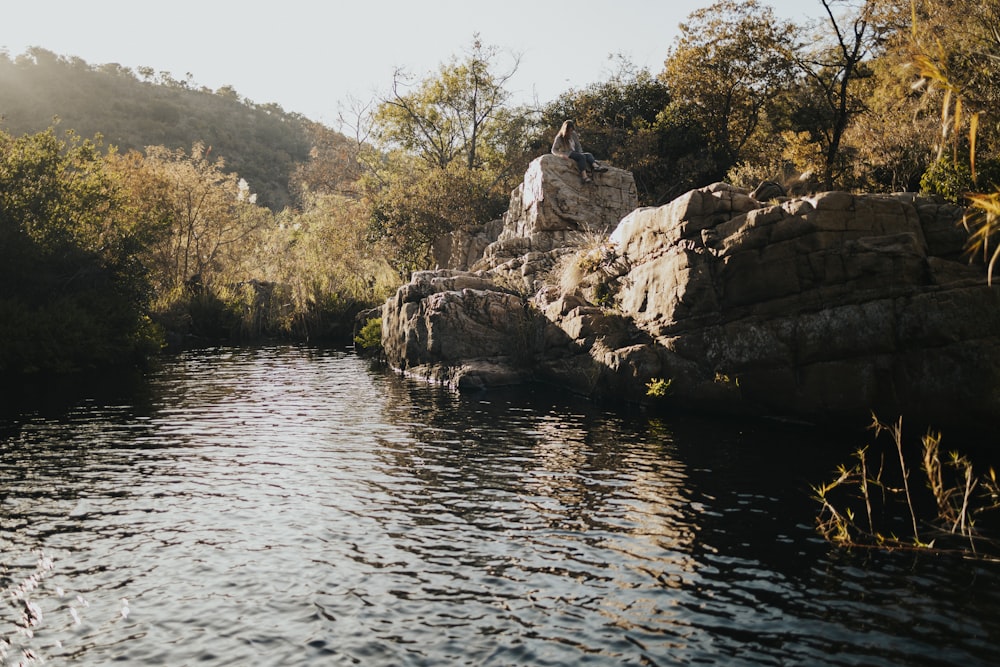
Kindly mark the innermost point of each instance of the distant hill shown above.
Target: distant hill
(132, 110)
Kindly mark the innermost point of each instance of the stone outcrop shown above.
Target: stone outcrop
(824, 307)
(820, 307)
(460, 250)
(457, 328)
(551, 213)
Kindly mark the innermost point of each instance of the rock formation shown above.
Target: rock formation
(552, 213)
(824, 307)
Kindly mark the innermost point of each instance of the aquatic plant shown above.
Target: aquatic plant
(874, 504)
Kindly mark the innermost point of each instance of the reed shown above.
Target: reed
(873, 503)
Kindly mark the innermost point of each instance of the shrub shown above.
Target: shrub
(953, 180)
(369, 339)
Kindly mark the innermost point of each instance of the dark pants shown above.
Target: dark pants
(584, 161)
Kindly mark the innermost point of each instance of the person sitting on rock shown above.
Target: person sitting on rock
(567, 144)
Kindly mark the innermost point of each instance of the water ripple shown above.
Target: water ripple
(295, 506)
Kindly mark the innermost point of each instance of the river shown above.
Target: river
(297, 506)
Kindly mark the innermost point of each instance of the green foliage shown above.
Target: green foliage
(658, 387)
(624, 122)
(106, 254)
(958, 70)
(450, 151)
(75, 287)
(608, 113)
(413, 208)
(725, 66)
(369, 339)
(604, 295)
(211, 213)
(593, 270)
(324, 259)
(952, 180)
(457, 115)
(301, 275)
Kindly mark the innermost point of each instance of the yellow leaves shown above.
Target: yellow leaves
(726, 380)
(984, 219)
(658, 387)
(973, 134)
(985, 207)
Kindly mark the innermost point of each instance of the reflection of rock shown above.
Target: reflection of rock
(820, 307)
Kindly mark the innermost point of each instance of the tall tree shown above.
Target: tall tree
(628, 121)
(729, 61)
(447, 148)
(456, 115)
(834, 69)
(211, 213)
(74, 291)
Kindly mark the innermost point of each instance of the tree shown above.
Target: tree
(456, 115)
(727, 65)
(332, 168)
(889, 147)
(833, 72)
(621, 120)
(446, 154)
(322, 255)
(75, 292)
(211, 214)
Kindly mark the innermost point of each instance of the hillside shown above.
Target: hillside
(260, 142)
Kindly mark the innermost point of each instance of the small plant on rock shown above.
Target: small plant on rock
(369, 339)
(595, 270)
(658, 387)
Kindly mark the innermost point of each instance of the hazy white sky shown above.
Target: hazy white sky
(309, 56)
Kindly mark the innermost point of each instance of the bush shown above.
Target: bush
(369, 339)
(953, 180)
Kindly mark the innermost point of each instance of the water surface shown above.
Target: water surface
(293, 506)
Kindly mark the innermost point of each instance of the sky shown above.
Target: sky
(314, 57)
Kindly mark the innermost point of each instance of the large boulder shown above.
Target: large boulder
(551, 213)
(461, 249)
(552, 198)
(823, 307)
(457, 328)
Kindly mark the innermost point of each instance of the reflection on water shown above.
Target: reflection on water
(292, 506)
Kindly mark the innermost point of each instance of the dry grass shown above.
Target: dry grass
(874, 504)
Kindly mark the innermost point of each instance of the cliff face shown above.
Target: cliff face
(820, 308)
